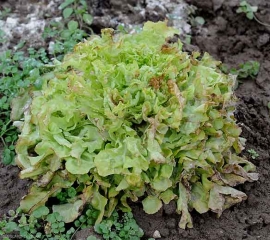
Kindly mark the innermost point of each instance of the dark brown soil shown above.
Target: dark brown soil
(233, 39)
(12, 189)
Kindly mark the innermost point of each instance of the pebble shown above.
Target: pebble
(156, 234)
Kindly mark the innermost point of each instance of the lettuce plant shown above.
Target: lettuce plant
(132, 117)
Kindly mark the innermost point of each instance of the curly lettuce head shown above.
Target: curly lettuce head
(130, 115)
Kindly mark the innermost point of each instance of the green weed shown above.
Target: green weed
(244, 70)
(77, 9)
(193, 18)
(4, 13)
(247, 69)
(250, 11)
(43, 224)
(119, 228)
(65, 194)
(253, 153)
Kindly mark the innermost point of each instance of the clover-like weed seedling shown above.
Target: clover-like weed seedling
(88, 219)
(41, 224)
(243, 71)
(250, 11)
(120, 228)
(247, 69)
(55, 224)
(253, 153)
(246, 8)
(66, 194)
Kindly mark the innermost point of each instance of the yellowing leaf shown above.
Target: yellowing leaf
(69, 211)
(151, 204)
(167, 196)
(161, 184)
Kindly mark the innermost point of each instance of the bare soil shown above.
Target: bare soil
(233, 39)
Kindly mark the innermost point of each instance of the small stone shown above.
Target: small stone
(156, 234)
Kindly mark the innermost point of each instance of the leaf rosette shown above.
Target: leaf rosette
(129, 116)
